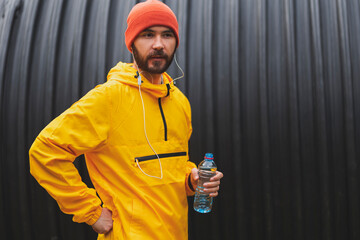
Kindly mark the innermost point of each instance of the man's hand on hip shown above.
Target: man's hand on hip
(105, 223)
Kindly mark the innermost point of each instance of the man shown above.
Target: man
(134, 131)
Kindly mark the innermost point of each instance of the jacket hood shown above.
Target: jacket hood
(126, 74)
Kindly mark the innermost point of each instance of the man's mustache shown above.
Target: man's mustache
(158, 53)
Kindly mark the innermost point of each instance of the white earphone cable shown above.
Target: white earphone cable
(137, 162)
(147, 139)
(177, 64)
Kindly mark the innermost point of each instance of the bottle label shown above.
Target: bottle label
(208, 169)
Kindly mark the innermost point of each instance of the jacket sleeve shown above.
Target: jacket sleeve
(190, 191)
(82, 128)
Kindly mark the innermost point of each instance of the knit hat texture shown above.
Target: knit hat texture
(147, 14)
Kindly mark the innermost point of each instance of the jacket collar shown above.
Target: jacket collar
(126, 74)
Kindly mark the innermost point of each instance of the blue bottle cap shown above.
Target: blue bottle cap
(209, 156)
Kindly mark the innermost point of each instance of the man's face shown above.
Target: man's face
(154, 49)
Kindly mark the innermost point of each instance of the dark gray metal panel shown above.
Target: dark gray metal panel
(14, 174)
(351, 15)
(275, 91)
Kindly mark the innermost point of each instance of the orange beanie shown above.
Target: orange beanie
(147, 14)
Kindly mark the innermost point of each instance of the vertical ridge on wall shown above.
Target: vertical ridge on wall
(236, 150)
(69, 54)
(14, 139)
(199, 84)
(41, 97)
(181, 9)
(95, 38)
(348, 117)
(195, 68)
(352, 103)
(261, 56)
(352, 164)
(9, 18)
(307, 113)
(115, 48)
(253, 54)
(335, 222)
(295, 155)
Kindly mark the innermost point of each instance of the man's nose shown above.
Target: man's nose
(158, 44)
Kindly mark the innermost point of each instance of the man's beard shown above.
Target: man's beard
(157, 66)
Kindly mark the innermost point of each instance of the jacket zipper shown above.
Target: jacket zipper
(163, 118)
(162, 112)
(163, 155)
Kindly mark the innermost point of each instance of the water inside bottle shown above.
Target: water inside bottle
(203, 202)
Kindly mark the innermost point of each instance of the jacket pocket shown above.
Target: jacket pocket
(172, 168)
(163, 155)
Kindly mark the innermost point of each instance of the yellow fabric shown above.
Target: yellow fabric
(107, 126)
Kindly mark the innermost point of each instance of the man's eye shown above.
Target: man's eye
(168, 35)
(147, 35)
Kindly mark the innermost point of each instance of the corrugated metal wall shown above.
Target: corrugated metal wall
(275, 92)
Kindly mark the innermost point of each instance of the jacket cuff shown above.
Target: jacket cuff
(189, 183)
(190, 191)
(95, 216)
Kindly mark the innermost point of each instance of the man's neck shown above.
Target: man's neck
(152, 77)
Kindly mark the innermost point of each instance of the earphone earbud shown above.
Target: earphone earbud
(137, 72)
(138, 78)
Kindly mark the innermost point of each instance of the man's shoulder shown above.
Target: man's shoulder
(179, 94)
(111, 86)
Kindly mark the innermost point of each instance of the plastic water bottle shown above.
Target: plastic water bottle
(207, 169)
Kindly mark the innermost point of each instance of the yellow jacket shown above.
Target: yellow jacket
(107, 126)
